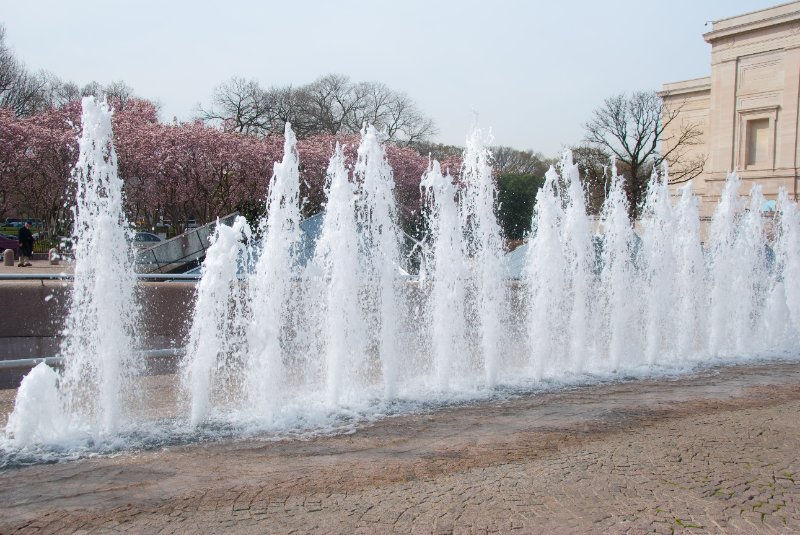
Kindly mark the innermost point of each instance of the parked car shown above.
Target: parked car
(16, 222)
(9, 242)
(143, 240)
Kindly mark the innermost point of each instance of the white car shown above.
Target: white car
(143, 240)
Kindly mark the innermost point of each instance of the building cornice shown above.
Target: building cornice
(686, 87)
(755, 20)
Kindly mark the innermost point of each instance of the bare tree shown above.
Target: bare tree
(119, 93)
(26, 93)
(391, 111)
(524, 162)
(287, 104)
(632, 129)
(438, 151)
(332, 104)
(57, 92)
(406, 123)
(21, 91)
(593, 164)
(10, 70)
(239, 105)
(9, 66)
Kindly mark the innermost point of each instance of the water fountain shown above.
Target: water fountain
(270, 285)
(483, 251)
(337, 257)
(690, 305)
(347, 335)
(442, 278)
(381, 263)
(218, 315)
(545, 277)
(100, 333)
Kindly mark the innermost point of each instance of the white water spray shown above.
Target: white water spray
(214, 337)
(484, 253)
(443, 281)
(690, 313)
(659, 267)
(381, 243)
(271, 284)
(621, 298)
(100, 333)
(580, 259)
(337, 256)
(311, 345)
(545, 277)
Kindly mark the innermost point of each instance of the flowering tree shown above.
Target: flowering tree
(13, 138)
(36, 156)
(177, 171)
(188, 170)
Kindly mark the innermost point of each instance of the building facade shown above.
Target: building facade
(747, 112)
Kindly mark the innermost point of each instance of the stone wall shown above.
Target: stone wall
(34, 313)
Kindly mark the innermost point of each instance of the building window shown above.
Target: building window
(757, 143)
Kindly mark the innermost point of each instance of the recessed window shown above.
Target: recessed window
(757, 142)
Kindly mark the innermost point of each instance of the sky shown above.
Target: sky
(531, 71)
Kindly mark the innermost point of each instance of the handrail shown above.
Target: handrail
(190, 246)
(69, 276)
(16, 364)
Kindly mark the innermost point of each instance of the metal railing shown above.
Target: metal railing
(182, 251)
(55, 361)
(146, 277)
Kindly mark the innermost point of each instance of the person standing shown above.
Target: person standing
(25, 245)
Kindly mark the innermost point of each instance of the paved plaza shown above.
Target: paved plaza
(38, 267)
(717, 453)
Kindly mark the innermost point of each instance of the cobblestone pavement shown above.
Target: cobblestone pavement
(713, 454)
(39, 267)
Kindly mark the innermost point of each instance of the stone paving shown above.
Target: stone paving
(38, 267)
(715, 454)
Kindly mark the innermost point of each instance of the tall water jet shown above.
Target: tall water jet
(787, 255)
(213, 339)
(659, 266)
(443, 278)
(100, 334)
(484, 249)
(722, 266)
(780, 324)
(776, 327)
(545, 276)
(737, 269)
(580, 259)
(690, 305)
(618, 277)
(751, 277)
(337, 257)
(271, 284)
(381, 246)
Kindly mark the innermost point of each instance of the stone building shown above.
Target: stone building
(747, 110)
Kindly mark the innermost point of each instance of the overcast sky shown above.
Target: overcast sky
(533, 71)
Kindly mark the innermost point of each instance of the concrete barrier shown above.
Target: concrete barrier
(34, 313)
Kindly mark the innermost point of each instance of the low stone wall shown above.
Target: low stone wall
(33, 315)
